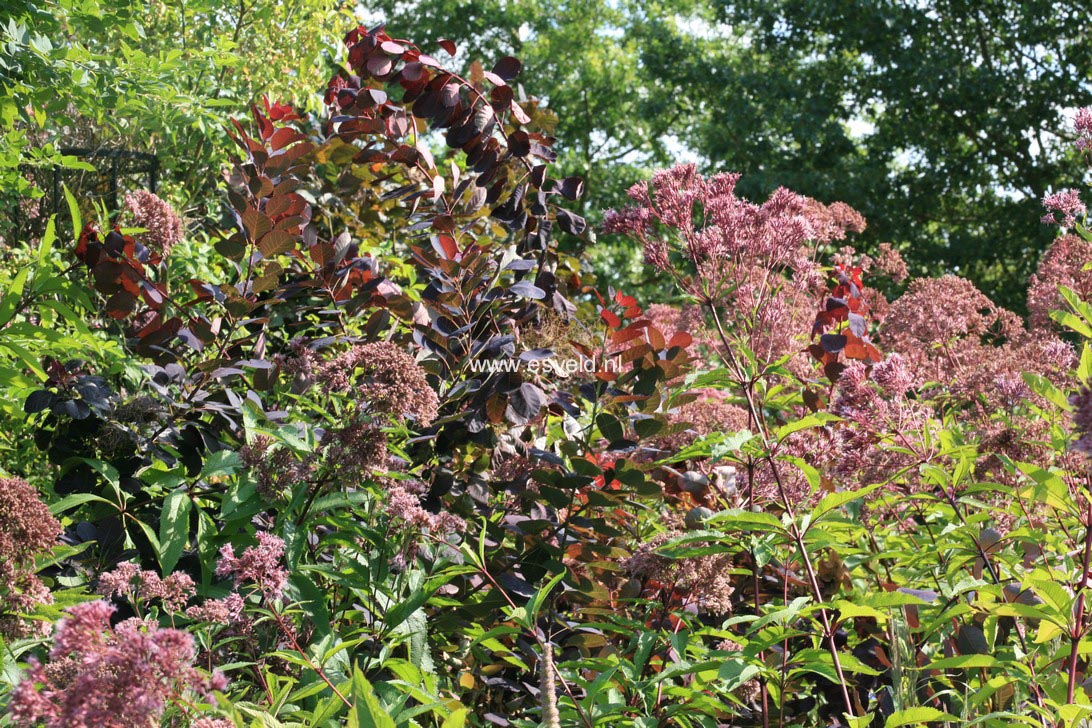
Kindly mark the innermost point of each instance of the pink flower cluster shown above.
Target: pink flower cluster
(713, 224)
(120, 677)
(228, 610)
(1063, 264)
(27, 529)
(1082, 124)
(385, 379)
(967, 355)
(753, 263)
(356, 448)
(1082, 420)
(163, 224)
(1066, 202)
(128, 581)
(260, 565)
(404, 505)
(275, 469)
(941, 326)
(881, 432)
(704, 582)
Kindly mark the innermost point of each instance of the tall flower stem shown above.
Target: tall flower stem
(758, 417)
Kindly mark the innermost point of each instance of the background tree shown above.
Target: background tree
(151, 76)
(931, 118)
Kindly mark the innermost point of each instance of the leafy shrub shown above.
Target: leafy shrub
(329, 469)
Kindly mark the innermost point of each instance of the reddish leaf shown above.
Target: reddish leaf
(120, 305)
(519, 144)
(282, 205)
(379, 65)
(656, 338)
(832, 343)
(507, 68)
(276, 242)
(813, 400)
(501, 97)
(681, 339)
(445, 246)
(519, 114)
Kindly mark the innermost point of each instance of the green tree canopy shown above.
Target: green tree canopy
(942, 121)
(152, 76)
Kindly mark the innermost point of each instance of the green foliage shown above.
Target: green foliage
(306, 423)
(149, 76)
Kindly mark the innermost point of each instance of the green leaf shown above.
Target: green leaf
(1046, 389)
(457, 719)
(46, 246)
(967, 662)
(174, 528)
(804, 423)
(921, 714)
(76, 499)
(10, 302)
(534, 604)
(833, 501)
(367, 712)
(74, 211)
(221, 463)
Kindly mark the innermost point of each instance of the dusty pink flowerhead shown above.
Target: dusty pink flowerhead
(705, 582)
(755, 263)
(119, 677)
(163, 224)
(259, 564)
(383, 378)
(228, 610)
(1065, 202)
(1063, 264)
(357, 448)
(128, 581)
(1082, 124)
(890, 262)
(404, 506)
(275, 468)
(706, 220)
(27, 529)
(940, 325)
(1082, 420)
